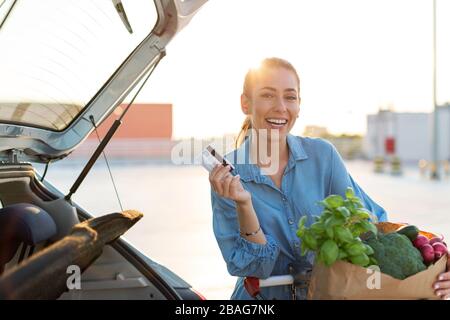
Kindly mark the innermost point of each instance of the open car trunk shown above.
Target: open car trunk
(67, 66)
(110, 269)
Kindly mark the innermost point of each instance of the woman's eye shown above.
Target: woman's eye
(291, 98)
(267, 95)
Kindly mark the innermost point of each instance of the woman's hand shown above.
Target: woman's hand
(227, 185)
(442, 286)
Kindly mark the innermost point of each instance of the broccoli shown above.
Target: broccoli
(396, 255)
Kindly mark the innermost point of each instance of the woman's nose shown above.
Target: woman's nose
(280, 104)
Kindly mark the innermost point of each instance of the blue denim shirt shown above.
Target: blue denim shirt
(314, 171)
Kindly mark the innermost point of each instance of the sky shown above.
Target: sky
(353, 57)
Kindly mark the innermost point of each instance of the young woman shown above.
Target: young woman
(256, 209)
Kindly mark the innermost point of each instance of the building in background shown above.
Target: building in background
(146, 132)
(407, 135)
(348, 146)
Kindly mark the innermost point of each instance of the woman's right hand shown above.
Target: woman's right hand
(228, 186)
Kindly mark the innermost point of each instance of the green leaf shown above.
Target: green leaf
(309, 240)
(343, 234)
(355, 248)
(334, 221)
(349, 193)
(373, 261)
(350, 206)
(330, 232)
(318, 227)
(333, 201)
(363, 213)
(304, 249)
(368, 226)
(342, 212)
(360, 260)
(358, 228)
(369, 251)
(302, 221)
(358, 204)
(342, 255)
(329, 252)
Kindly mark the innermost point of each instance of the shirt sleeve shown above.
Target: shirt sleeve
(243, 258)
(341, 179)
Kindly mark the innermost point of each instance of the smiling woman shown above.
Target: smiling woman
(256, 211)
(53, 64)
(267, 95)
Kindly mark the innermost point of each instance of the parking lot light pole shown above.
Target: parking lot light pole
(434, 173)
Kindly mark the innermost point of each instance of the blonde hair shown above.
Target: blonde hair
(250, 78)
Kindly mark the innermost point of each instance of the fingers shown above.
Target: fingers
(218, 171)
(235, 182)
(442, 287)
(226, 181)
(217, 177)
(444, 276)
(443, 294)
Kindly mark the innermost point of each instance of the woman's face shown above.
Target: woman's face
(274, 103)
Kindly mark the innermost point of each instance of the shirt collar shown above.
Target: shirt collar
(296, 147)
(249, 171)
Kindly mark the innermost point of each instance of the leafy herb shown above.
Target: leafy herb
(335, 235)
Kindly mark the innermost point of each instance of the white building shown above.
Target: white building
(411, 132)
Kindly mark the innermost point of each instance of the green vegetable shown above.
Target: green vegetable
(369, 250)
(329, 252)
(410, 231)
(360, 260)
(355, 248)
(318, 228)
(349, 193)
(310, 240)
(342, 255)
(343, 234)
(335, 234)
(396, 255)
(343, 212)
(333, 201)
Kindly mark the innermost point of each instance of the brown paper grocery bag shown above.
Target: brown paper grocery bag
(346, 281)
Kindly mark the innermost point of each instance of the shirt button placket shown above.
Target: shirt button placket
(296, 243)
(286, 205)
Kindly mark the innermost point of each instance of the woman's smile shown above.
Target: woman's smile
(277, 123)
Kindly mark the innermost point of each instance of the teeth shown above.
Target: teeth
(277, 121)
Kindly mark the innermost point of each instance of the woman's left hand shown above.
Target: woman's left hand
(442, 286)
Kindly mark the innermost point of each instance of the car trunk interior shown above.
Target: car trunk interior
(110, 276)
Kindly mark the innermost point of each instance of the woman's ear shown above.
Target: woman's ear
(299, 103)
(245, 104)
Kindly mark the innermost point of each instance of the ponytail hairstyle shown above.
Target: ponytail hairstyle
(246, 126)
(249, 81)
